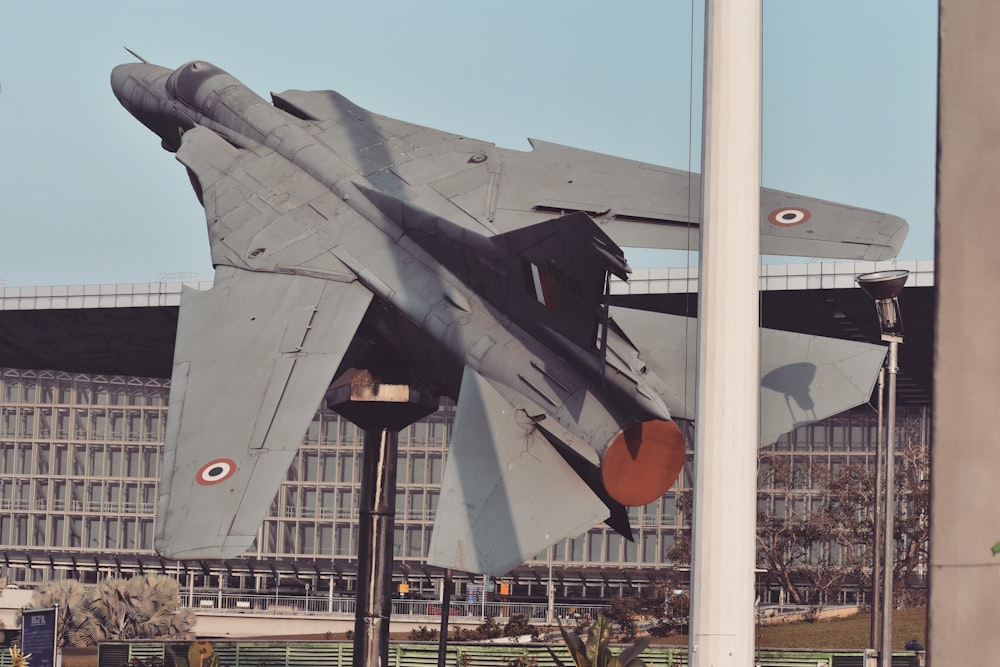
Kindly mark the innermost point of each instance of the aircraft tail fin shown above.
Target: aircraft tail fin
(507, 494)
(804, 378)
(557, 272)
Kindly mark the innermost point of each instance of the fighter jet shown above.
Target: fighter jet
(343, 238)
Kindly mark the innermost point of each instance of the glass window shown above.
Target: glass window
(327, 499)
(22, 465)
(595, 545)
(614, 542)
(42, 455)
(649, 547)
(151, 425)
(95, 460)
(308, 501)
(128, 534)
(286, 537)
(329, 460)
(435, 466)
(27, 423)
(416, 464)
(117, 394)
(62, 424)
(57, 530)
(92, 526)
(133, 425)
(307, 538)
(98, 425)
(38, 530)
(78, 457)
(325, 534)
(310, 465)
(10, 387)
(346, 473)
(8, 422)
(114, 461)
(19, 535)
(111, 533)
(330, 429)
(414, 542)
(45, 423)
(150, 458)
(344, 544)
(345, 503)
(312, 433)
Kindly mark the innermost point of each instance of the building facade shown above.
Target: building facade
(80, 456)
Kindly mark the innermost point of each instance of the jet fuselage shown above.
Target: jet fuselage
(436, 324)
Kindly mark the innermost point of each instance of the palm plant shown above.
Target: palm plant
(142, 607)
(71, 598)
(597, 651)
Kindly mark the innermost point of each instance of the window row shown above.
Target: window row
(77, 532)
(344, 466)
(92, 460)
(138, 425)
(47, 388)
(71, 495)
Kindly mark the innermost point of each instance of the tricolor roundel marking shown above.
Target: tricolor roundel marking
(215, 471)
(787, 217)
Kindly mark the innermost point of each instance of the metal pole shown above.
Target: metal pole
(550, 613)
(375, 527)
(727, 432)
(445, 611)
(875, 633)
(885, 655)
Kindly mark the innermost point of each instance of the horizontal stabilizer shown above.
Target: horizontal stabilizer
(808, 378)
(804, 378)
(507, 493)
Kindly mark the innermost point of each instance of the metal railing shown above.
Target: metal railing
(239, 603)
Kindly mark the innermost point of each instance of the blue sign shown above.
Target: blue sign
(38, 635)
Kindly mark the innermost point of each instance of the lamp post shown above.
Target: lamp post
(884, 287)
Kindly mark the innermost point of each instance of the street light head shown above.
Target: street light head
(884, 287)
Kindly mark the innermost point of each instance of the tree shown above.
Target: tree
(143, 607)
(815, 524)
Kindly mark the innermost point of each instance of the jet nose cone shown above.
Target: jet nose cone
(127, 78)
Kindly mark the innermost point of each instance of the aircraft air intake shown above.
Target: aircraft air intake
(643, 461)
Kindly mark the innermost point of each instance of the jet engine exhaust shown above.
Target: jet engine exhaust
(643, 461)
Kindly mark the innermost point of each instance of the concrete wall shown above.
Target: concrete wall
(965, 459)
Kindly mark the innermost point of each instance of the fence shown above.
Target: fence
(340, 654)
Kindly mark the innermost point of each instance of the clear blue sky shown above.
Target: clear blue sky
(88, 196)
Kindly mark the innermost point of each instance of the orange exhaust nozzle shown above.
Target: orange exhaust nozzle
(643, 461)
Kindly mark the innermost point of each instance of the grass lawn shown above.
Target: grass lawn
(843, 633)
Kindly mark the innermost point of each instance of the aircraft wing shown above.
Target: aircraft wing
(804, 378)
(254, 356)
(637, 204)
(504, 497)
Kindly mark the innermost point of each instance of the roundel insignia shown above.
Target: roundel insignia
(215, 471)
(786, 217)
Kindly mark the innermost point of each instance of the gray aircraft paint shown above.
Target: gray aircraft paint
(478, 271)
